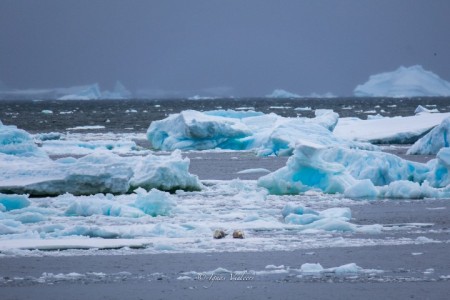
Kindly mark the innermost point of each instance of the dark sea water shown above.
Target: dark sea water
(123, 116)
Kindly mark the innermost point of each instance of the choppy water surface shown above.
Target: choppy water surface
(124, 116)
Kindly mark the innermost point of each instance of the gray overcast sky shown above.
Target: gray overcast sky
(251, 46)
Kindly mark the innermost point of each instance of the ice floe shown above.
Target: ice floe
(266, 134)
(411, 81)
(99, 172)
(433, 141)
(395, 130)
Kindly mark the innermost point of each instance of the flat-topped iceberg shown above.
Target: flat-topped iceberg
(404, 82)
(433, 141)
(359, 174)
(267, 134)
(396, 130)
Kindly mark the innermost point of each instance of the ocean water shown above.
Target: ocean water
(124, 116)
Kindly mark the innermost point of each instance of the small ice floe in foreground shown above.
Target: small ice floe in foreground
(87, 127)
(252, 171)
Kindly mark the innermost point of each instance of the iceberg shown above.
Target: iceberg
(99, 172)
(244, 130)
(420, 109)
(411, 81)
(88, 93)
(119, 92)
(282, 94)
(359, 174)
(433, 141)
(396, 130)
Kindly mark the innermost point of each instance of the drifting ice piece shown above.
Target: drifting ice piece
(14, 141)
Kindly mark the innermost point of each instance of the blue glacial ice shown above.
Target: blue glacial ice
(359, 174)
(91, 92)
(411, 81)
(268, 134)
(14, 141)
(433, 141)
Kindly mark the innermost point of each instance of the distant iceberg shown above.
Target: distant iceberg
(82, 92)
(119, 92)
(279, 93)
(91, 92)
(244, 130)
(404, 82)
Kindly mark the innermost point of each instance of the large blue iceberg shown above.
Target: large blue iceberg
(236, 130)
(404, 82)
(359, 174)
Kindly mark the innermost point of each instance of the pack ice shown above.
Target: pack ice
(359, 174)
(411, 81)
(25, 168)
(267, 134)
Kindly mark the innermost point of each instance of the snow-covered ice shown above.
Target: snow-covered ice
(395, 130)
(18, 142)
(99, 172)
(411, 81)
(433, 141)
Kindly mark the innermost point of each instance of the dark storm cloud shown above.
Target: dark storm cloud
(239, 47)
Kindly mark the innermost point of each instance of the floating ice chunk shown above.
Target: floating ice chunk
(311, 268)
(154, 203)
(14, 141)
(350, 268)
(306, 170)
(301, 219)
(306, 108)
(89, 206)
(252, 171)
(282, 94)
(396, 130)
(404, 82)
(87, 127)
(343, 213)
(357, 173)
(50, 136)
(47, 112)
(77, 147)
(11, 202)
(433, 141)
(30, 217)
(99, 172)
(420, 109)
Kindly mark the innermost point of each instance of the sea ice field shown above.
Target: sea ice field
(148, 177)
